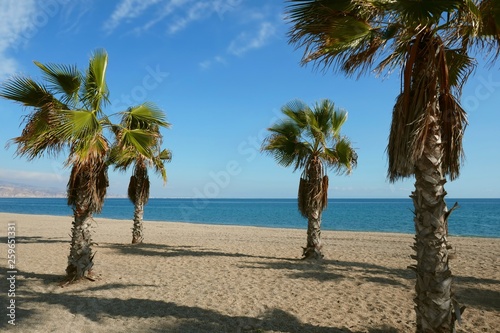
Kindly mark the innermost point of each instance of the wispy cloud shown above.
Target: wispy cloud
(249, 41)
(16, 23)
(206, 64)
(183, 12)
(127, 9)
(194, 13)
(203, 9)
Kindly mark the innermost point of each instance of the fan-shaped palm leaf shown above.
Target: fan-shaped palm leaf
(95, 94)
(64, 79)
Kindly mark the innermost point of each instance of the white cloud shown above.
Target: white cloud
(246, 42)
(17, 21)
(184, 12)
(206, 64)
(127, 9)
(162, 13)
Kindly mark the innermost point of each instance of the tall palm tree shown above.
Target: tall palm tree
(310, 140)
(430, 41)
(67, 113)
(127, 151)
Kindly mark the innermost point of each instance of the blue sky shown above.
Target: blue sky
(221, 70)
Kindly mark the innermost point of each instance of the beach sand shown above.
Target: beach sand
(207, 278)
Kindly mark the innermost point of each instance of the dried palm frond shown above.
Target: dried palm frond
(303, 196)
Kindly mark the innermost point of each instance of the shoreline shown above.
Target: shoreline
(189, 277)
(253, 226)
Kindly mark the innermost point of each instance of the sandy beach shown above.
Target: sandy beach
(206, 278)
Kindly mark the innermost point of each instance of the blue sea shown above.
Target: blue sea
(474, 217)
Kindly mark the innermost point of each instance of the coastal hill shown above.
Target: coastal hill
(14, 190)
(17, 190)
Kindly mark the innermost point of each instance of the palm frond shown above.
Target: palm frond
(338, 119)
(146, 115)
(425, 12)
(140, 140)
(78, 126)
(28, 92)
(302, 197)
(489, 31)
(336, 32)
(95, 94)
(453, 124)
(460, 67)
(138, 189)
(285, 146)
(88, 183)
(64, 79)
(342, 157)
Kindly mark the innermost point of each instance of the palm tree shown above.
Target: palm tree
(67, 112)
(310, 140)
(430, 41)
(127, 151)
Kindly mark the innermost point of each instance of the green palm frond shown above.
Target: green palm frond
(429, 41)
(39, 135)
(122, 157)
(165, 155)
(342, 157)
(96, 93)
(304, 133)
(78, 125)
(335, 32)
(416, 13)
(140, 140)
(159, 161)
(489, 31)
(144, 116)
(64, 79)
(338, 120)
(28, 92)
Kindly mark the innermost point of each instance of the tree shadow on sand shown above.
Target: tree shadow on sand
(334, 269)
(178, 318)
(148, 249)
(35, 240)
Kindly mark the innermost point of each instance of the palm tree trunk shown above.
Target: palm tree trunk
(137, 231)
(313, 249)
(80, 259)
(314, 209)
(434, 281)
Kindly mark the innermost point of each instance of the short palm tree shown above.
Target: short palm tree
(67, 113)
(310, 140)
(127, 150)
(430, 42)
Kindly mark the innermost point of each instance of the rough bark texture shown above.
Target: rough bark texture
(313, 201)
(137, 230)
(138, 193)
(313, 249)
(433, 301)
(80, 259)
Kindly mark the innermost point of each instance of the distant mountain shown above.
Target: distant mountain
(13, 190)
(16, 190)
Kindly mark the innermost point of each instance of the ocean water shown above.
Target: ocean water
(474, 217)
